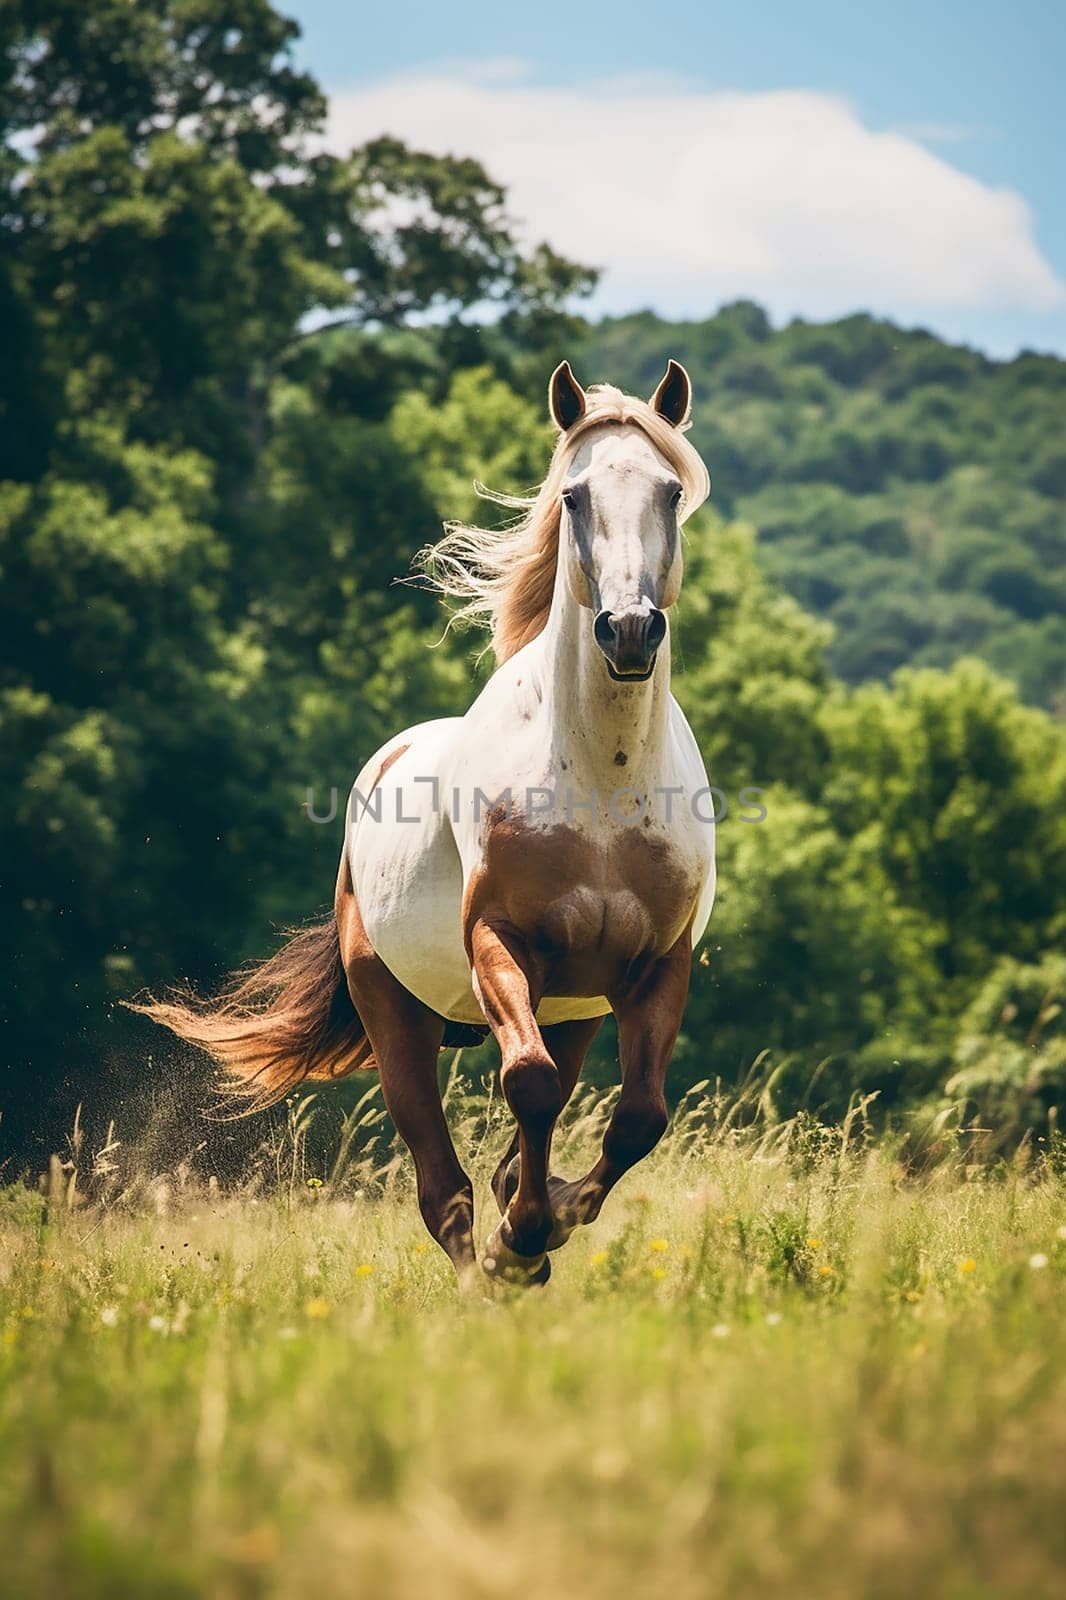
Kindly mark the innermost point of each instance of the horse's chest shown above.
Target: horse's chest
(589, 907)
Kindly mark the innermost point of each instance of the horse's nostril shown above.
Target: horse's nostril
(630, 639)
(604, 630)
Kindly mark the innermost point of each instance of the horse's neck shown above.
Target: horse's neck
(611, 732)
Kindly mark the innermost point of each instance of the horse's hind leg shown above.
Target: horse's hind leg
(568, 1044)
(405, 1036)
(649, 1016)
(508, 982)
(406, 1048)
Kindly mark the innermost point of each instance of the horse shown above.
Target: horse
(520, 879)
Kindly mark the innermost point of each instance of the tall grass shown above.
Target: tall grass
(784, 1363)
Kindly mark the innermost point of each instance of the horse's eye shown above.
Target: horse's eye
(675, 499)
(569, 499)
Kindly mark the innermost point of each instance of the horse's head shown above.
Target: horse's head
(622, 501)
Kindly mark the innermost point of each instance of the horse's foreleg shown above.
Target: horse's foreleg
(568, 1044)
(508, 980)
(649, 1017)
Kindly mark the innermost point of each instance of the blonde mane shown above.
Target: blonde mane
(505, 576)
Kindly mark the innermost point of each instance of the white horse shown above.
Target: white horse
(531, 865)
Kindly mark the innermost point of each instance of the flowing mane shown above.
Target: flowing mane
(505, 576)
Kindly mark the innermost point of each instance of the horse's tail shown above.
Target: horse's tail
(276, 1023)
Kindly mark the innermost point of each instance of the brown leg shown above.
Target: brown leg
(649, 1016)
(508, 981)
(405, 1036)
(568, 1044)
(408, 1065)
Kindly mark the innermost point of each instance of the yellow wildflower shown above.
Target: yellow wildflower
(363, 1270)
(658, 1244)
(317, 1309)
(969, 1265)
(598, 1259)
(814, 1244)
(658, 1272)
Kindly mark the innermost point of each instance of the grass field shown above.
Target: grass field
(778, 1366)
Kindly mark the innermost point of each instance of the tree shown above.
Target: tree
(960, 794)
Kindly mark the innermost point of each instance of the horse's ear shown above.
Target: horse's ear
(566, 398)
(673, 398)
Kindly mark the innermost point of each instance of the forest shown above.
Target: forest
(244, 380)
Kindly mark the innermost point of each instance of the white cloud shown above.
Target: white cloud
(686, 197)
(946, 132)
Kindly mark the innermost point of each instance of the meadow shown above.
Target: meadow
(788, 1361)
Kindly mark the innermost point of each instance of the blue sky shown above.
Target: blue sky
(821, 157)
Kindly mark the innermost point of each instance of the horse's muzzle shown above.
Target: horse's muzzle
(630, 641)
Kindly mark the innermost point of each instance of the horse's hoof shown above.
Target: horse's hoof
(504, 1265)
(522, 1272)
(565, 1222)
(560, 1192)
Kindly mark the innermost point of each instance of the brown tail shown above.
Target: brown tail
(277, 1023)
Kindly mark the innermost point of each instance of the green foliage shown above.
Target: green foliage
(481, 431)
(958, 792)
(220, 72)
(1010, 1057)
(808, 937)
(913, 837)
(126, 734)
(750, 665)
